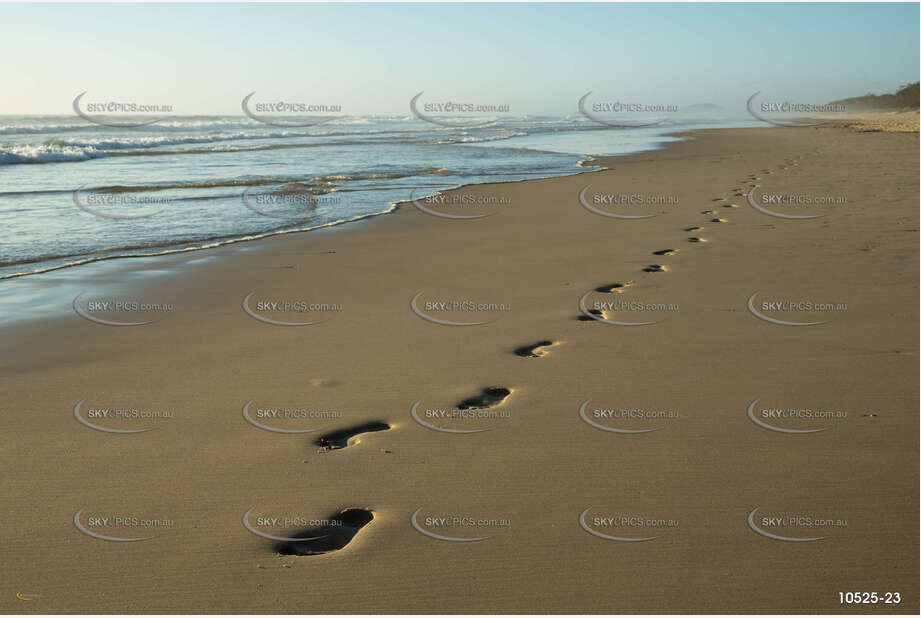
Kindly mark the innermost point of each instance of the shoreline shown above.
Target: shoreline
(392, 207)
(267, 236)
(703, 468)
(206, 244)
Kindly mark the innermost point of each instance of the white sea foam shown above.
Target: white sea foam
(47, 153)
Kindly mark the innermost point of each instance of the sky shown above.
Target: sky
(372, 58)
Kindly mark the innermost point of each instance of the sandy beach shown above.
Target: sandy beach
(701, 476)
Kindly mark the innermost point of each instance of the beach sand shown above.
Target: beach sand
(904, 121)
(692, 482)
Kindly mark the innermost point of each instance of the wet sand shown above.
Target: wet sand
(691, 486)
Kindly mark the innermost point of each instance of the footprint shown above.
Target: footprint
(340, 438)
(335, 535)
(614, 288)
(696, 239)
(585, 318)
(664, 252)
(717, 199)
(708, 212)
(717, 220)
(655, 268)
(693, 228)
(492, 396)
(730, 205)
(535, 350)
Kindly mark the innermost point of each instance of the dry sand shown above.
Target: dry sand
(540, 467)
(904, 121)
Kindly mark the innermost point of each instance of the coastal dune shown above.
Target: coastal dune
(686, 468)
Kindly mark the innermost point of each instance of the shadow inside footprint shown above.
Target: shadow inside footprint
(654, 268)
(613, 287)
(585, 318)
(336, 534)
(664, 252)
(340, 438)
(534, 350)
(492, 396)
